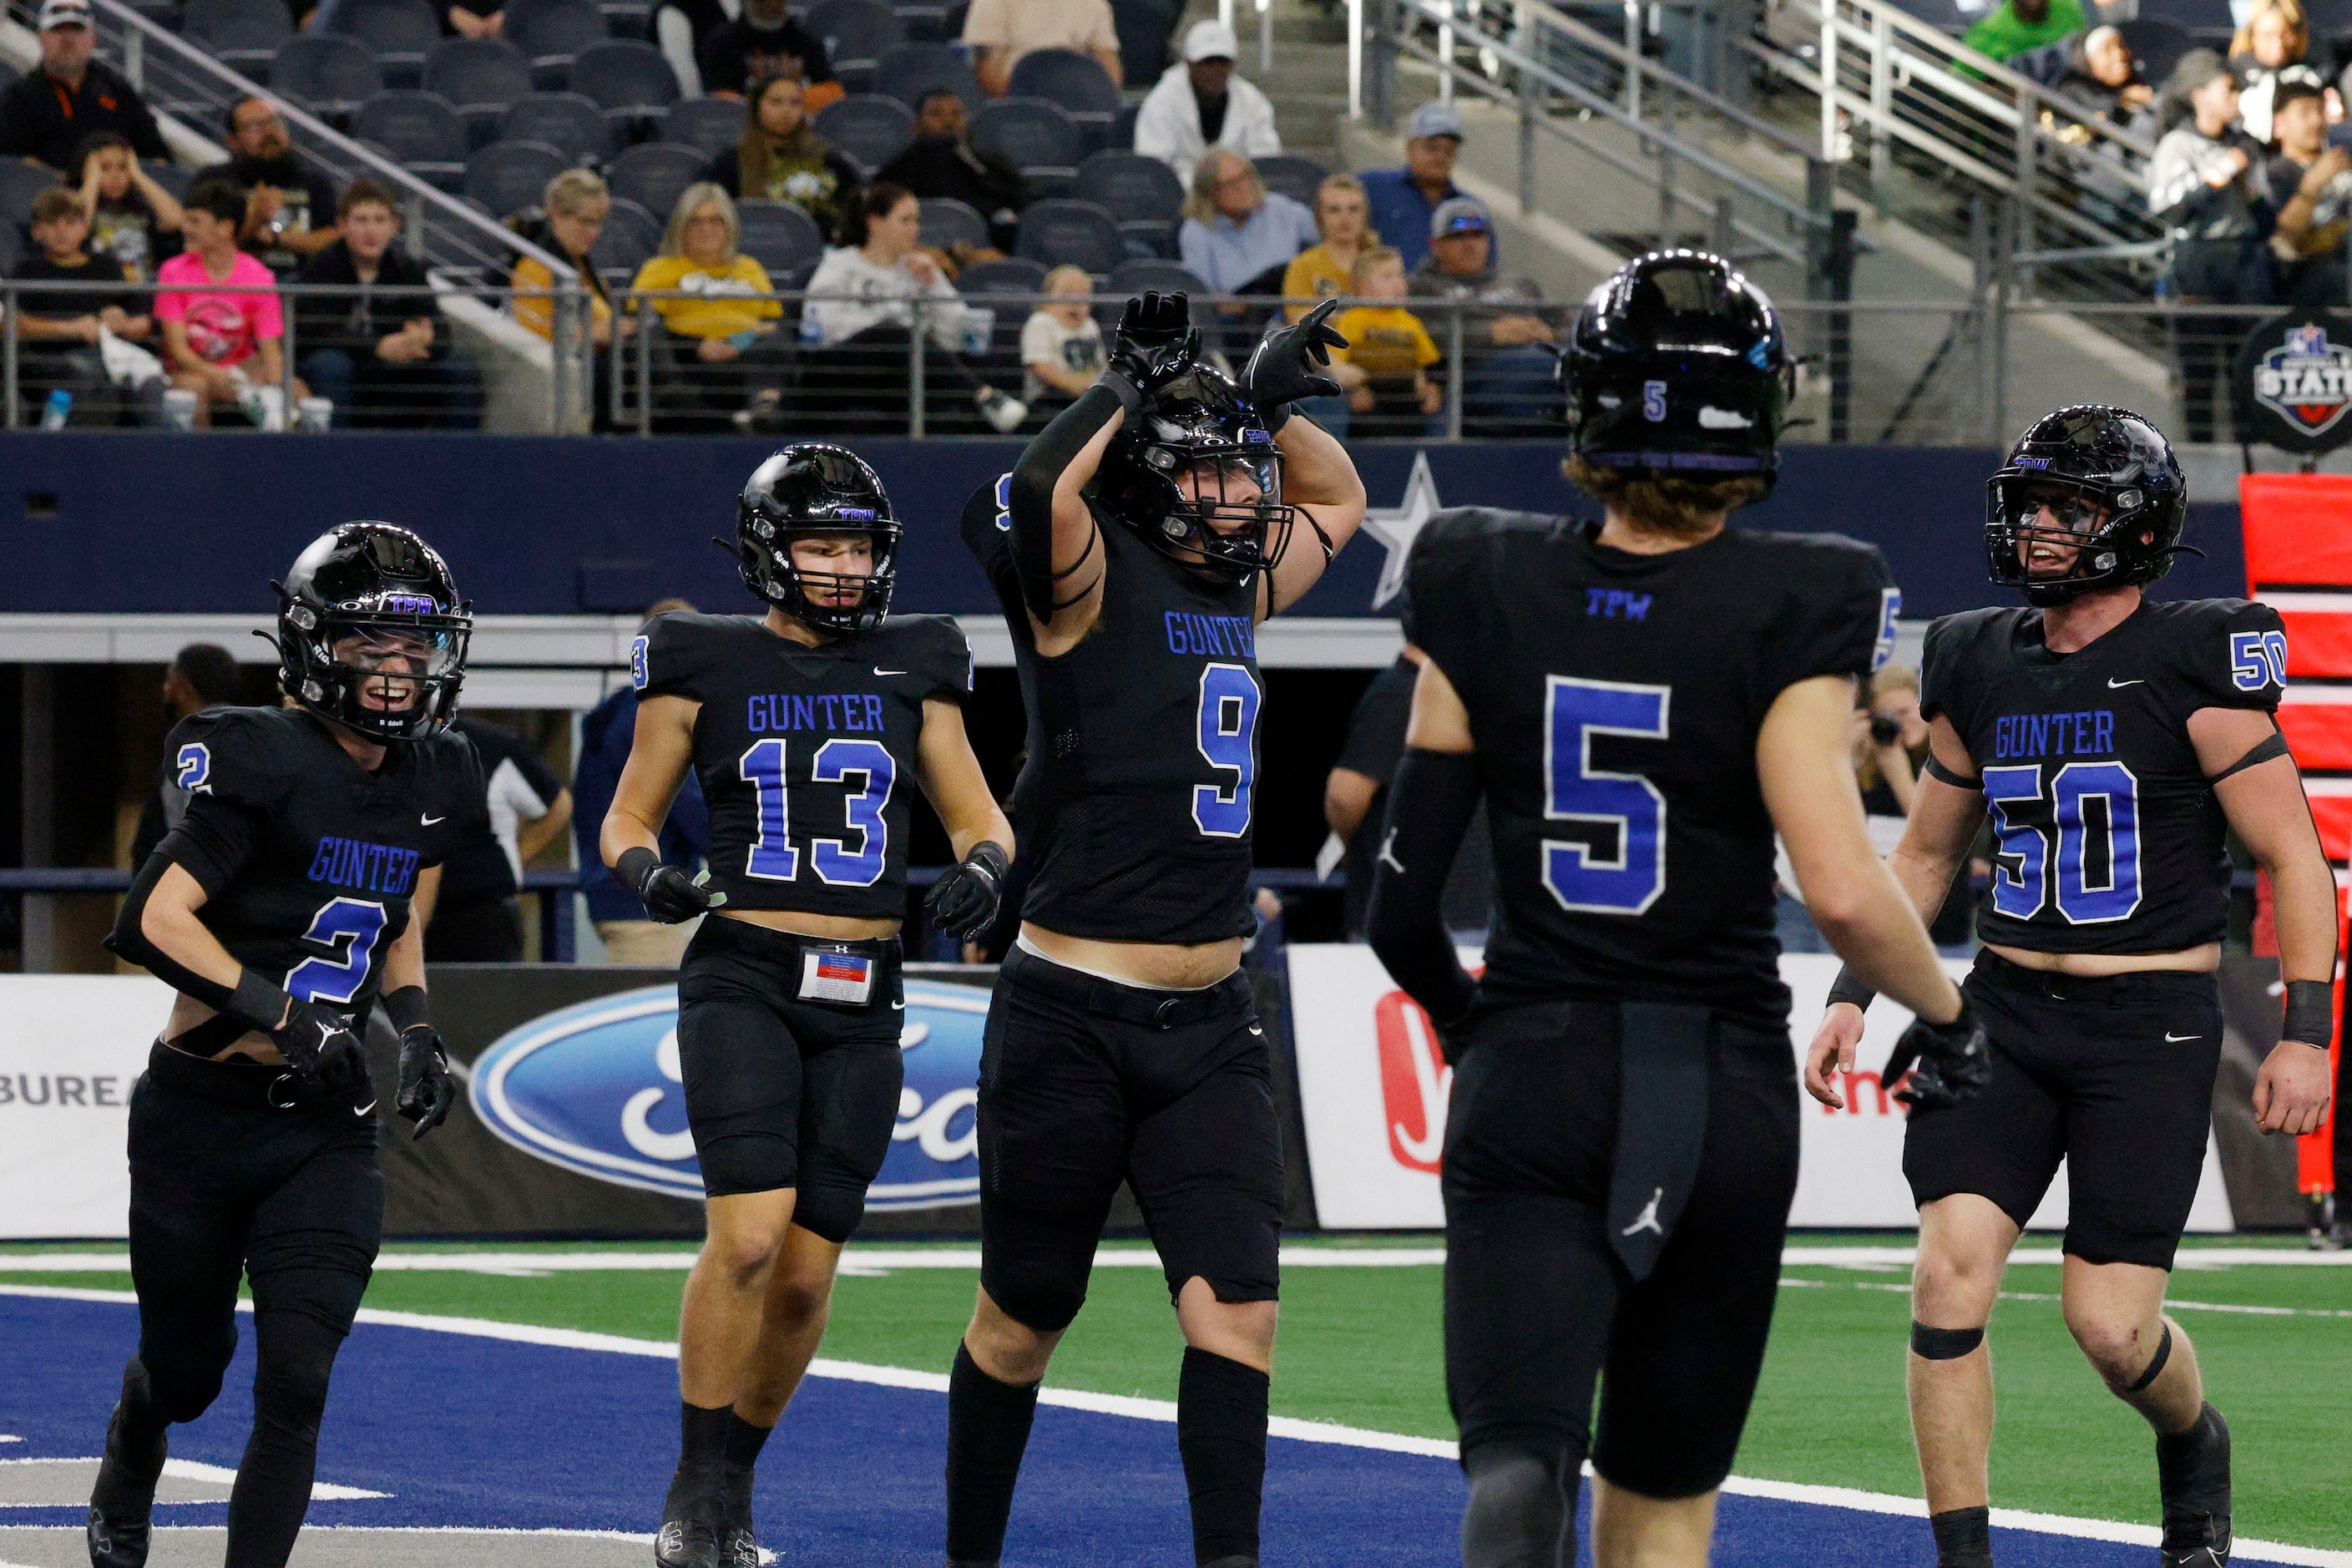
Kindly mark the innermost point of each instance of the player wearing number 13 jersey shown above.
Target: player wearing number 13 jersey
(1141, 540)
(2113, 741)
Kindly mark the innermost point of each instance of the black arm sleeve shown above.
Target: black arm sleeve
(1040, 467)
(252, 1000)
(1431, 801)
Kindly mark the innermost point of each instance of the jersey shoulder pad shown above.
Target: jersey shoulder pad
(1842, 602)
(2230, 653)
(987, 524)
(1452, 559)
(934, 649)
(249, 755)
(676, 650)
(1955, 645)
(454, 772)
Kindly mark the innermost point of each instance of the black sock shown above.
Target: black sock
(988, 1431)
(1221, 1432)
(1963, 1538)
(2192, 1468)
(744, 1442)
(142, 1417)
(701, 1453)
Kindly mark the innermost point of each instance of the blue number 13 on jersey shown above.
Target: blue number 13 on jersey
(1580, 875)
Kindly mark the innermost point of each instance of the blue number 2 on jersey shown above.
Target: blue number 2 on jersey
(350, 927)
(1579, 876)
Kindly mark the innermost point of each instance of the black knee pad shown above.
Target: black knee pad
(1944, 1345)
(1522, 1506)
(830, 1212)
(184, 1387)
(746, 1162)
(1036, 1293)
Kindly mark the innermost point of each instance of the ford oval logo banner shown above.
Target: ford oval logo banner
(596, 1088)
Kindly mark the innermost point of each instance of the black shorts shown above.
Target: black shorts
(1085, 1082)
(782, 1092)
(1538, 1304)
(2113, 1076)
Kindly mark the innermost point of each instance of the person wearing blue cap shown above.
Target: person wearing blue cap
(1505, 335)
(1405, 200)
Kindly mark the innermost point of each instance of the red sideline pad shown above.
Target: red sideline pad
(2318, 642)
(2298, 528)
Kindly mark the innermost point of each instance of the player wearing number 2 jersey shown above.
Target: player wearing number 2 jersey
(805, 727)
(1642, 702)
(2113, 741)
(1136, 547)
(289, 902)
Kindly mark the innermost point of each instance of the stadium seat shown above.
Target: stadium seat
(569, 121)
(12, 248)
(21, 180)
(10, 76)
(1062, 233)
(627, 79)
(552, 33)
(1075, 81)
(653, 173)
(420, 130)
(241, 34)
(508, 176)
(1121, 136)
(779, 238)
(1143, 194)
(2196, 15)
(869, 129)
(325, 73)
(948, 223)
(712, 124)
(910, 71)
(1942, 15)
(631, 237)
(1013, 275)
(1037, 137)
(2156, 44)
(174, 177)
(627, 18)
(855, 34)
(930, 21)
(1130, 278)
(483, 76)
(1295, 178)
(398, 32)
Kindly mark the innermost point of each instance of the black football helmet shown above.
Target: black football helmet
(371, 632)
(1677, 366)
(2082, 461)
(809, 487)
(1199, 423)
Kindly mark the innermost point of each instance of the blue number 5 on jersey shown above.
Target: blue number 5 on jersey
(1580, 876)
(2257, 659)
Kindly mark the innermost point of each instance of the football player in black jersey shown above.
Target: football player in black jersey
(798, 725)
(1642, 702)
(2113, 739)
(1141, 540)
(290, 900)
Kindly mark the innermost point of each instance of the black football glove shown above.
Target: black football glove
(319, 1045)
(670, 895)
(1156, 344)
(427, 1088)
(963, 902)
(1948, 1063)
(1287, 366)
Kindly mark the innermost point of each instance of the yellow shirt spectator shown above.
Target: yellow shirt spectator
(722, 302)
(1385, 341)
(1312, 275)
(534, 304)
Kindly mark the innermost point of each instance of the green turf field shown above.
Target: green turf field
(1360, 1346)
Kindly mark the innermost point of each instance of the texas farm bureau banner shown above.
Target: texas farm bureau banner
(71, 1045)
(1372, 1088)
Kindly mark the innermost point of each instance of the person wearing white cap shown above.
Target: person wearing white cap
(1405, 201)
(1199, 104)
(72, 96)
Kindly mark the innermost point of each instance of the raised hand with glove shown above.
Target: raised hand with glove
(1288, 365)
(1155, 343)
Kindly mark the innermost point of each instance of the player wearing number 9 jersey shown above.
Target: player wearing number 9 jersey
(1141, 540)
(289, 901)
(806, 727)
(2113, 741)
(1642, 702)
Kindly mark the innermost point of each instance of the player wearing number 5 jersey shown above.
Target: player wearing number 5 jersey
(1143, 536)
(289, 901)
(806, 727)
(1642, 702)
(2113, 741)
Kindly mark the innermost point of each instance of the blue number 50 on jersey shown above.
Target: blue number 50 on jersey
(1579, 876)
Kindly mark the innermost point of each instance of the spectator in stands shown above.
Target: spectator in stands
(1391, 347)
(467, 19)
(1405, 200)
(618, 914)
(2205, 189)
(782, 158)
(2276, 37)
(220, 345)
(58, 333)
(942, 163)
(1061, 343)
(862, 297)
(72, 96)
(1506, 336)
(1342, 217)
(131, 218)
(1355, 805)
(1199, 104)
(202, 675)
(477, 920)
(1239, 237)
(2099, 73)
(2015, 27)
(2311, 191)
(1890, 743)
(762, 41)
(999, 32)
(286, 201)
(571, 215)
(376, 345)
(720, 346)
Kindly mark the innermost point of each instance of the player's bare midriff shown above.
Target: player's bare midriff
(1170, 965)
(825, 928)
(2202, 959)
(187, 1013)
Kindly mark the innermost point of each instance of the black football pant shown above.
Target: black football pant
(224, 1184)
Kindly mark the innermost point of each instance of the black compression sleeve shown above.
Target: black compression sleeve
(1042, 463)
(252, 999)
(407, 1009)
(1431, 801)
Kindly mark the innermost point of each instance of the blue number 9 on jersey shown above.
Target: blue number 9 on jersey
(1580, 876)
(1227, 723)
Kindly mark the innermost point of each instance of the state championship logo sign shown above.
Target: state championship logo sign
(2294, 381)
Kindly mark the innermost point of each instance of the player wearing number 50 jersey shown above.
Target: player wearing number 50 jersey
(1143, 536)
(289, 902)
(1642, 702)
(2113, 739)
(806, 728)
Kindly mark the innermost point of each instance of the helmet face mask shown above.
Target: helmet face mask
(1198, 479)
(371, 633)
(2090, 498)
(812, 490)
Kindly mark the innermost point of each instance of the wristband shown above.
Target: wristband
(2310, 1013)
(1848, 987)
(1275, 418)
(258, 1003)
(408, 1009)
(1129, 395)
(635, 868)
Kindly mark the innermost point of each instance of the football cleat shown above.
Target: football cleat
(2202, 1543)
(687, 1543)
(120, 1501)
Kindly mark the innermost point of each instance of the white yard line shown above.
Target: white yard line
(856, 1261)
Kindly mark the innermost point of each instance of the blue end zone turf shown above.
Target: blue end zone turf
(475, 1432)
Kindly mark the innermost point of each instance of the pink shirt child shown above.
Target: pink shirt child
(224, 330)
